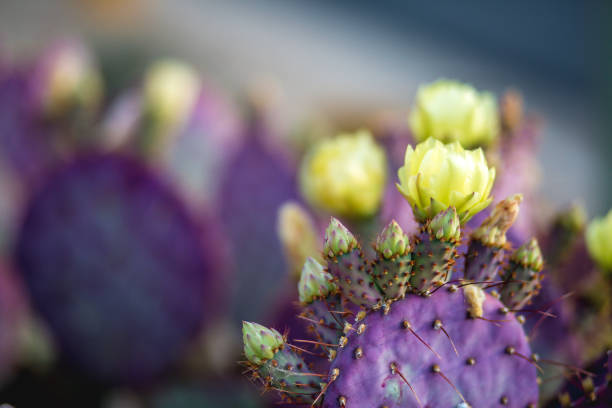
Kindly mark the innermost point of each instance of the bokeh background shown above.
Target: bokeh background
(305, 60)
(365, 55)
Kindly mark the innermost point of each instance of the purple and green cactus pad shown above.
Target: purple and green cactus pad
(116, 266)
(396, 329)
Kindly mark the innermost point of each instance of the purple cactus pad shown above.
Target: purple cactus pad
(489, 368)
(116, 266)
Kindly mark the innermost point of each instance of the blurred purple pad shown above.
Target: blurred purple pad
(198, 150)
(369, 382)
(202, 147)
(116, 266)
(12, 311)
(517, 173)
(24, 139)
(552, 338)
(255, 184)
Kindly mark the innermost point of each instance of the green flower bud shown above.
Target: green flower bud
(314, 283)
(599, 240)
(529, 255)
(260, 343)
(451, 111)
(338, 239)
(493, 229)
(445, 226)
(392, 241)
(345, 176)
(436, 176)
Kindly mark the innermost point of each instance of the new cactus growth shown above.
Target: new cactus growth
(397, 329)
(522, 276)
(486, 249)
(320, 295)
(394, 261)
(436, 251)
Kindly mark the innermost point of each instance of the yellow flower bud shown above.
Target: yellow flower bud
(599, 240)
(452, 111)
(69, 78)
(436, 176)
(170, 91)
(298, 236)
(345, 175)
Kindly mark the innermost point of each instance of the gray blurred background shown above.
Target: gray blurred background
(369, 54)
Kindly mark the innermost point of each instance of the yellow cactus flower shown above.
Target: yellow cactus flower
(170, 91)
(345, 175)
(452, 111)
(436, 176)
(599, 240)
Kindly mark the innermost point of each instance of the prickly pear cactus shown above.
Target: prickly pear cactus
(414, 325)
(116, 266)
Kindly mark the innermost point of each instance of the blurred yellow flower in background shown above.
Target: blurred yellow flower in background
(170, 90)
(346, 175)
(599, 240)
(452, 111)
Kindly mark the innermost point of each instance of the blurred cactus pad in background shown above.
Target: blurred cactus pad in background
(373, 258)
(116, 266)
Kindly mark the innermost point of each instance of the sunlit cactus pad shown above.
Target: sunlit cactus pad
(479, 357)
(116, 266)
